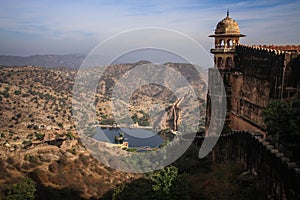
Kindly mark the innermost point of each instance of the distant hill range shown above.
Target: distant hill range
(49, 61)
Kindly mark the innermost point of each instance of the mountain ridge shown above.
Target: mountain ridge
(72, 61)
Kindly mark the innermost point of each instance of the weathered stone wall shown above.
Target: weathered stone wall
(280, 174)
(239, 123)
(262, 77)
(259, 76)
(291, 77)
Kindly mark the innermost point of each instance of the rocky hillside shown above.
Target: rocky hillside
(38, 137)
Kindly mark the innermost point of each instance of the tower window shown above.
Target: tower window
(220, 62)
(222, 43)
(229, 43)
(229, 62)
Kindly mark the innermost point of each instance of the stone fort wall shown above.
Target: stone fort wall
(261, 74)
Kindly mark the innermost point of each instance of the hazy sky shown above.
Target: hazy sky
(74, 26)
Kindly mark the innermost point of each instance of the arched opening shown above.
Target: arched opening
(229, 43)
(234, 42)
(218, 43)
(220, 62)
(229, 62)
(221, 43)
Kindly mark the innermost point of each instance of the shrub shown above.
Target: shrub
(72, 151)
(60, 124)
(5, 94)
(70, 135)
(39, 136)
(17, 92)
(24, 189)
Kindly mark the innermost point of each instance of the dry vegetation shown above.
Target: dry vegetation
(38, 137)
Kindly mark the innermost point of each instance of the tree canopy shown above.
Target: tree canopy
(163, 184)
(283, 119)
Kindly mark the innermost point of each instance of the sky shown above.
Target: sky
(77, 26)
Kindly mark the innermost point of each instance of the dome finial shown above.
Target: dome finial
(227, 12)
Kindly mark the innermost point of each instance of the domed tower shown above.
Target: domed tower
(227, 36)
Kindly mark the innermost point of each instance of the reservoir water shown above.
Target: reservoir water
(136, 137)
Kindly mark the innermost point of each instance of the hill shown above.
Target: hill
(50, 61)
(38, 137)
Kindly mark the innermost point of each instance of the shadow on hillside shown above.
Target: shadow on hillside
(107, 195)
(48, 193)
(138, 189)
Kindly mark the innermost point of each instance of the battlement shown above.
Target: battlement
(261, 49)
(287, 48)
(276, 49)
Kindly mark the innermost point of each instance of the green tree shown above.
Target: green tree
(277, 116)
(23, 190)
(283, 121)
(169, 184)
(165, 184)
(135, 190)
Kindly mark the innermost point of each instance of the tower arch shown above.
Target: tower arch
(220, 63)
(229, 62)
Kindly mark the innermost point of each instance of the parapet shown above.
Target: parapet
(275, 49)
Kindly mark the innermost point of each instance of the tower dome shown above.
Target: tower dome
(227, 26)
